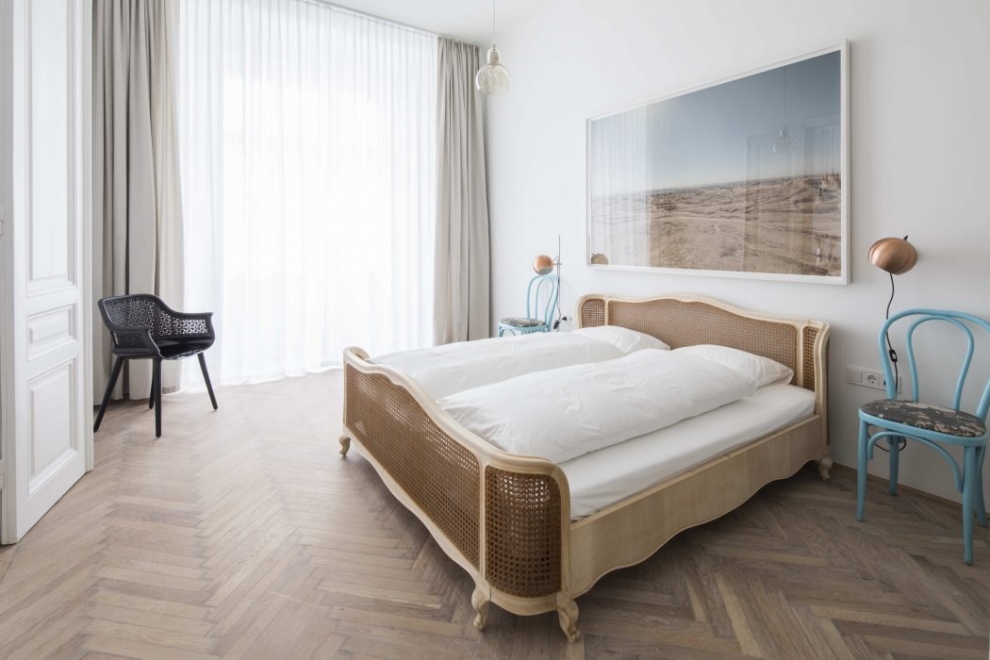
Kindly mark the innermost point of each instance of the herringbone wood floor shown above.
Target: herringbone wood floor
(242, 534)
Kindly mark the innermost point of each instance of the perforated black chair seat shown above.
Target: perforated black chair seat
(143, 327)
(928, 417)
(174, 350)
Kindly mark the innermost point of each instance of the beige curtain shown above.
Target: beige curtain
(137, 219)
(462, 278)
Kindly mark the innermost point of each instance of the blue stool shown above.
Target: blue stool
(929, 424)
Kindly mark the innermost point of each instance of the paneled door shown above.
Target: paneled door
(46, 404)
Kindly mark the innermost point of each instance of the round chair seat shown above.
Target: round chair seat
(928, 417)
(521, 322)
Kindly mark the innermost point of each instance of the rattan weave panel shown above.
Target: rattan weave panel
(439, 474)
(522, 526)
(593, 313)
(681, 323)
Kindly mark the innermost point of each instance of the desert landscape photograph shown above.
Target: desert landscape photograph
(681, 184)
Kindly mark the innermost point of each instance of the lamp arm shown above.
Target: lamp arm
(891, 353)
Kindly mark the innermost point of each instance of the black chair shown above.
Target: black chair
(142, 327)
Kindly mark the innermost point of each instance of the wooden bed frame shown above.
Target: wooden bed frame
(506, 518)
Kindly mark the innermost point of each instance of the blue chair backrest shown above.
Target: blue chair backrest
(921, 316)
(540, 287)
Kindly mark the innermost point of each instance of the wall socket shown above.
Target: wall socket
(869, 378)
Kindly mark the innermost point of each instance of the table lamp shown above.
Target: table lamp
(544, 265)
(895, 256)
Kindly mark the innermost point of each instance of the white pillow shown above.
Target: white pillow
(624, 339)
(764, 370)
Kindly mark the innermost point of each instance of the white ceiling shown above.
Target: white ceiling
(469, 20)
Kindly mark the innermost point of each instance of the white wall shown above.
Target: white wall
(920, 159)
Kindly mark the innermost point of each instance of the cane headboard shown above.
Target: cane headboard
(689, 320)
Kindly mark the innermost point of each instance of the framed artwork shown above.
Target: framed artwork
(744, 177)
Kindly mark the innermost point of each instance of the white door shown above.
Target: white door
(45, 408)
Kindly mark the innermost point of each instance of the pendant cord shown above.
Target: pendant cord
(493, 23)
(892, 354)
(890, 301)
(890, 349)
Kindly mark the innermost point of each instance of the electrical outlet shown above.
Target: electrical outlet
(869, 378)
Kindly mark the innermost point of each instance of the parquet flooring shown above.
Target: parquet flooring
(242, 534)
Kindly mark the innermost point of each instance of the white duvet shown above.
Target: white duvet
(451, 368)
(571, 411)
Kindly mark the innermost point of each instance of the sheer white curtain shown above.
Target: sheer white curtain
(308, 164)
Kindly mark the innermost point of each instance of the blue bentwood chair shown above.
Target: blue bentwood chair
(929, 424)
(541, 287)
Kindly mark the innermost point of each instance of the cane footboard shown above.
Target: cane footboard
(503, 518)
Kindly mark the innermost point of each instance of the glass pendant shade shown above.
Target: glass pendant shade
(784, 142)
(493, 78)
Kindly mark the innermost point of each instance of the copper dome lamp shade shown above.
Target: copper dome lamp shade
(543, 264)
(894, 255)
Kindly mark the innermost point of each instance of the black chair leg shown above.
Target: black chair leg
(206, 377)
(151, 397)
(157, 378)
(118, 363)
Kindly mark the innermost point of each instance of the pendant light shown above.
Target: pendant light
(784, 144)
(493, 78)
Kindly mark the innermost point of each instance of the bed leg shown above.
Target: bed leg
(480, 602)
(567, 611)
(345, 444)
(824, 465)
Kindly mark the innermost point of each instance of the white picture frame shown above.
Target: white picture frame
(649, 207)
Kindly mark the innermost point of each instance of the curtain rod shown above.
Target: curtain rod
(354, 12)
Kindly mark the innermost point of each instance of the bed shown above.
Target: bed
(507, 519)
